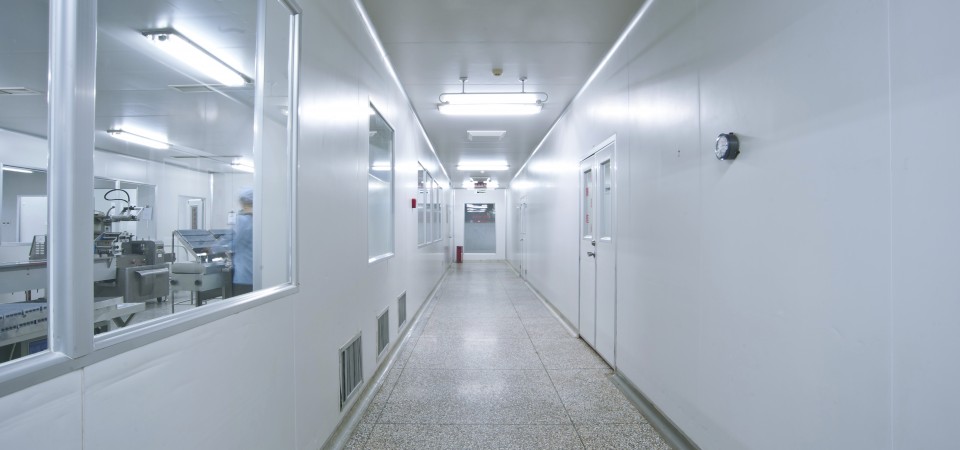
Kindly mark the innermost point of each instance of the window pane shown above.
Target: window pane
(606, 200)
(435, 208)
(380, 189)
(587, 204)
(421, 206)
(23, 207)
(479, 228)
(181, 219)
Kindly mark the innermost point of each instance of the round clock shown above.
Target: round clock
(727, 146)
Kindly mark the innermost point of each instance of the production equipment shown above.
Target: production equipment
(207, 274)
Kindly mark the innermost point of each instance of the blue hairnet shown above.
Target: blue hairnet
(246, 196)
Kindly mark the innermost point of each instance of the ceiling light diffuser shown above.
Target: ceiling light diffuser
(242, 165)
(491, 103)
(138, 139)
(484, 167)
(178, 46)
(490, 109)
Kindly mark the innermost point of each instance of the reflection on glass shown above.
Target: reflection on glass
(479, 228)
(24, 309)
(380, 189)
(587, 204)
(606, 200)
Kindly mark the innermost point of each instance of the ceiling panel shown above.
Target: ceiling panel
(556, 44)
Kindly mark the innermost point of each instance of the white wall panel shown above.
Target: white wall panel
(225, 385)
(926, 245)
(753, 295)
(46, 416)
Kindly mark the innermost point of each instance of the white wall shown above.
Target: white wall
(268, 377)
(800, 296)
(495, 196)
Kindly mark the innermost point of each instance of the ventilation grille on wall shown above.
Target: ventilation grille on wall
(351, 370)
(401, 310)
(383, 331)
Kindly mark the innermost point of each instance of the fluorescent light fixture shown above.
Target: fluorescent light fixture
(138, 139)
(489, 98)
(178, 46)
(242, 165)
(465, 103)
(490, 109)
(467, 184)
(16, 169)
(381, 167)
(482, 167)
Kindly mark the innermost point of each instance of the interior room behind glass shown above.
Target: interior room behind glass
(175, 152)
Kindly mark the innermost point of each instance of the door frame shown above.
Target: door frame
(596, 167)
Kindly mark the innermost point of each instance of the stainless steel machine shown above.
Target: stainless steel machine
(207, 275)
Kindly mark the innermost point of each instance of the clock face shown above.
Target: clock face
(721, 147)
(727, 146)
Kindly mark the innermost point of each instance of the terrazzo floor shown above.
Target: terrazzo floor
(488, 366)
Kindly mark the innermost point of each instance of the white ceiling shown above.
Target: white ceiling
(556, 44)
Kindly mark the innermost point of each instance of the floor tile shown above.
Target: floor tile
(476, 328)
(590, 397)
(530, 310)
(567, 354)
(514, 397)
(421, 436)
(546, 328)
(380, 398)
(359, 437)
(448, 353)
(475, 311)
(621, 436)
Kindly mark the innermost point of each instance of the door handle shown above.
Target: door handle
(592, 254)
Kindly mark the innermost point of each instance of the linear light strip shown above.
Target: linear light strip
(138, 139)
(505, 109)
(187, 51)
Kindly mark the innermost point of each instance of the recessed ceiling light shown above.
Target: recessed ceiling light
(478, 167)
(485, 135)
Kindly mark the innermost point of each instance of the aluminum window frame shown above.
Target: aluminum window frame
(71, 103)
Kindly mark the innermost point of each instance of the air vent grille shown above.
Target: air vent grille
(383, 331)
(17, 91)
(401, 310)
(351, 370)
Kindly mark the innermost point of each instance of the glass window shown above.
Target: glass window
(421, 206)
(479, 228)
(438, 214)
(380, 189)
(587, 204)
(606, 200)
(24, 309)
(187, 209)
(435, 208)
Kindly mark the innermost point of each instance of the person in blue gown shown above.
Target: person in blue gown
(242, 245)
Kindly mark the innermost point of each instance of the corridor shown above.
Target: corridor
(488, 366)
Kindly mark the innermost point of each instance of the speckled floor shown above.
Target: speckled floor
(488, 366)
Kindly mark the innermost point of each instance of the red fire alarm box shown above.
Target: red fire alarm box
(413, 203)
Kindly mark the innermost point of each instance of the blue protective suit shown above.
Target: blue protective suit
(243, 249)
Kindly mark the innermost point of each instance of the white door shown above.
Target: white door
(522, 207)
(31, 217)
(598, 296)
(606, 255)
(588, 248)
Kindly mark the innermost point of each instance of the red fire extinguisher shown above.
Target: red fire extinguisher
(459, 254)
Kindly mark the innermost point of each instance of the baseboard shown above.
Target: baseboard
(660, 422)
(341, 435)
